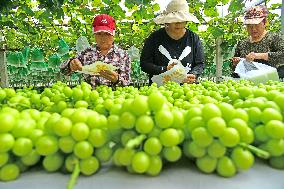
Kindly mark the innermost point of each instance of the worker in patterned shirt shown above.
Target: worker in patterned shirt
(105, 51)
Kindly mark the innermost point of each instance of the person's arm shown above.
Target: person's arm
(199, 58)
(147, 58)
(125, 69)
(65, 66)
(276, 54)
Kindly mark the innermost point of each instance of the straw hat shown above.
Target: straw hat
(255, 15)
(176, 11)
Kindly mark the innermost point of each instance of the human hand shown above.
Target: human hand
(170, 66)
(75, 65)
(250, 57)
(236, 60)
(190, 78)
(109, 75)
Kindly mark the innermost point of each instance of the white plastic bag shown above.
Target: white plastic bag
(178, 73)
(256, 72)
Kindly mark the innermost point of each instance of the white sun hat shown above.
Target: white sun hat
(176, 11)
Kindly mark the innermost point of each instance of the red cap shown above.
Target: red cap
(104, 23)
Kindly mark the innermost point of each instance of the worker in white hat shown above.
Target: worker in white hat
(173, 42)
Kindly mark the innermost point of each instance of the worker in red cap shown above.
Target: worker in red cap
(105, 51)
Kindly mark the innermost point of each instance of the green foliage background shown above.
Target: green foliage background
(24, 25)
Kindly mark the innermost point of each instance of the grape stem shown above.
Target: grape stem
(257, 151)
(135, 141)
(74, 176)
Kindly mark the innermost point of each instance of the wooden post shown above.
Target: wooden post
(3, 67)
(219, 60)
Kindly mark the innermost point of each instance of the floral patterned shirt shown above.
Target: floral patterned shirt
(273, 43)
(116, 56)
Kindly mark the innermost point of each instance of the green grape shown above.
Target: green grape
(80, 131)
(202, 137)
(260, 134)
(246, 134)
(155, 166)
(22, 146)
(48, 126)
(97, 137)
(279, 99)
(178, 121)
(7, 122)
(127, 120)
(243, 159)
(269, 114)
(35, 134)
(79, 116)
(140, 162)
(7, 142)
(126, 105)
(216, 149)
(77, 94)
(144, 124)
(31, 158)
(195, 122)
(272, 104)
(226, 167)
(96, 120)
(89, 166)
(53, 162)
(126, 136)
(113, 124)
(156, 101)
(152, 146)
(230, 137)
(81, 104)
(206, 164)
(193, 112)
(242, 114)
(169, 137)
(275, 129)
(216, 126)
(9, 172)
(211, 110)
(172, 153)
(125, 156)
(66, 144)
(277, 162)
(139, 107)
(244, 91)
(228, 111)
(62, 127)
(60, 106)
(23, 127)
(164, 118)
(70, 162)
(46, 145)
(116, 157)
(4, 157)
(104, 153)
(83, 149)
(254, 114)
(156, 131)
(115, 109)
(67, 91)
(67, 112)
(275, 147)
(194, 150)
